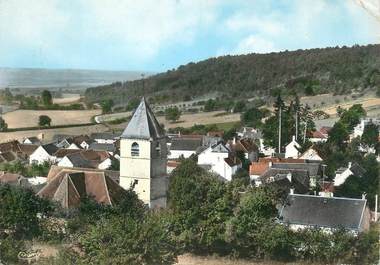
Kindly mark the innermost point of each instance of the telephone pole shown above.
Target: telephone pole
(279, 130)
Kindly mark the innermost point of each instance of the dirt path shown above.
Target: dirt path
(196, 260)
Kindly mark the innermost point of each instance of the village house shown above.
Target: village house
(321, 135)
(110, 148)
(249, 133)
(311, 154)
(344, 172)
(266, 170)
(219, 159)
(104, 138)
(328, 213)
(44, 153)
(359, 129)
(245, 146)
(292, 149)
(183, 146)
(68, 186)
(32, 140)
(87, 159)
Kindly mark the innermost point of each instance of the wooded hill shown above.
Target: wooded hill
(315, 71)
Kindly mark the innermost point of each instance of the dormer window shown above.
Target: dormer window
(135, 150)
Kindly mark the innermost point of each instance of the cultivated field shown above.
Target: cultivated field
(67, 99)
(29, 118)
(186, 120)
(49, 133)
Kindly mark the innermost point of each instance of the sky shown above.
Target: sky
(158, 35)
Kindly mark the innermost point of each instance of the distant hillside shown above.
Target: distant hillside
(61, 78)
(315, 71)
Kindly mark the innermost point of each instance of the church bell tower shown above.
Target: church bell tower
(143, 157)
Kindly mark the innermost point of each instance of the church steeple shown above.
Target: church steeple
(143, 157)
(143, 124)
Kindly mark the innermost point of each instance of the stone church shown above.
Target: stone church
(143, 157)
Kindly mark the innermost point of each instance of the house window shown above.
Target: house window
(135, 150)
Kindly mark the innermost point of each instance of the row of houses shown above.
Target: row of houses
(147, 156)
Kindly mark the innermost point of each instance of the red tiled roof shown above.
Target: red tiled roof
(258, 168)
(325, 130)
(318, 134)
(69, 185)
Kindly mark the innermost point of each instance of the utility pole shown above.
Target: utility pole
(304, 134)
(296, 123)
(376, 205)
(279, 130)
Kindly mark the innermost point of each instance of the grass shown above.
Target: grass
(225, 126)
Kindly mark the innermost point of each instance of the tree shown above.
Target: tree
(370, 135)
(107, 105)
(239, 106)
(44, 120)
(19, 209)
(172, 114)
(351, 117)
(128, 241)
(338, 135)
(3, 125)
(47, 98)
(132, 104)
(210, 105)
(200, 207)
(252, 117)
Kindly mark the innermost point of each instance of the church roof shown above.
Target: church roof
(143, 124)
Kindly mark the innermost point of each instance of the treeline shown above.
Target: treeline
(42, 102)
(205, 216)
(303, 72)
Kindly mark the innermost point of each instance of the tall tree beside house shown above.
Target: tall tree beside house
(270, 128)
(352, 116)
(252, 117)
(172, 114)
(47, 98)
(370, 137)
(3, 125)
(338, 135)
(44, 120)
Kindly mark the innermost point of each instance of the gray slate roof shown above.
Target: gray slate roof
(187, 144)
(50, 148)
(300, 179)
(102, 147)
(314, 169)
(143, 124)
(104, 136)
(334, 212)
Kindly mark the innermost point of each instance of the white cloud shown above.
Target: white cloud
(254, 44)
(145, 26)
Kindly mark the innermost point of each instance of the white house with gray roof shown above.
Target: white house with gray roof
(328, 213)
(219, 159)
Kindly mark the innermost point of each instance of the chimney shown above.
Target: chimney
(349, 165)
(289, 177)
(234, 141)
(293, 138)
(270, 164)
(292, 191)
(41, 136)
(363, 196)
